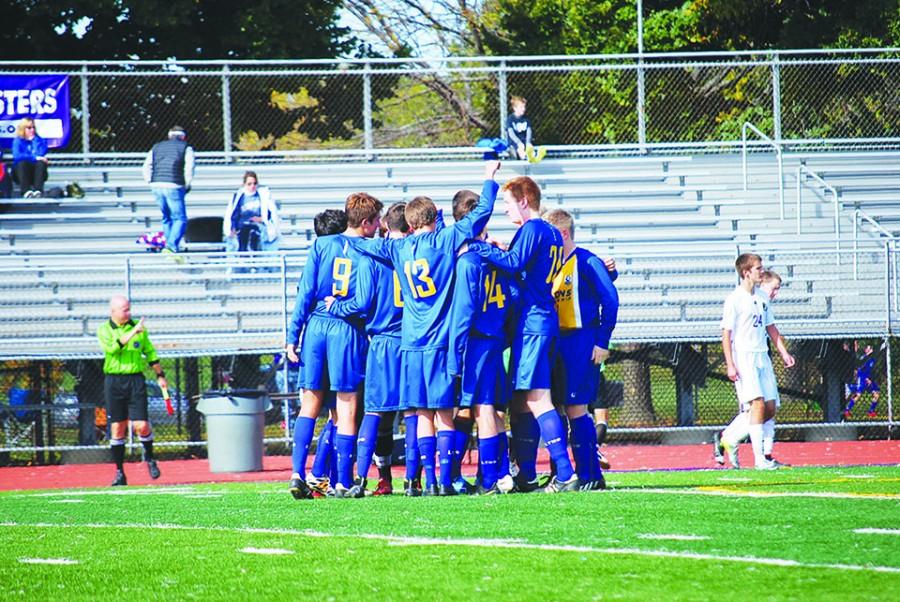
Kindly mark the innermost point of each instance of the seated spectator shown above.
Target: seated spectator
(251, 221)
(29, 159)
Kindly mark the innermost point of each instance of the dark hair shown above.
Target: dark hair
(250, 174)
(463, 203)
(330, 221)
(745, 261)
(395, 220)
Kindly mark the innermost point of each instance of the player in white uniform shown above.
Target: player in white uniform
(746, 320)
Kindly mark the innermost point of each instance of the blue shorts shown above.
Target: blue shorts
(531, 361)
(863, 386)
(576, 378)
(484, 378)
(382, 388)
(332, 356)
(425, 382)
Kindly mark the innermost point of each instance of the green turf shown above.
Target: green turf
(794, 538)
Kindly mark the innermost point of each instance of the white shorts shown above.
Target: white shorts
(756, 378)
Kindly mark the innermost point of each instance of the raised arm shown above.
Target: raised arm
(476, 220)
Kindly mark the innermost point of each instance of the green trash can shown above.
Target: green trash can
(235, 421)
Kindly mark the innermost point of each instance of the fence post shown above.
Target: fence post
(776, 96)
(128, 277)
(284, 330)
(642, 120)
(226, 112)
(367, 106)
(502, 101)
(85, 115)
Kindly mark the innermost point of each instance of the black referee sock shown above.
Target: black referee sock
(118, 454)
(601, 433)
(148, 450)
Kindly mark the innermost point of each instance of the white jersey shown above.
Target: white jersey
(747, 315)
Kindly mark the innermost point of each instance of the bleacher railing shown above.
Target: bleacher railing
(362, 108)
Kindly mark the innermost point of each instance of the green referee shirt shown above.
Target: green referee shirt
(127, 359)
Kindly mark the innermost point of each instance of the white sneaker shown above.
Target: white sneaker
(767, 465)
(732, 452)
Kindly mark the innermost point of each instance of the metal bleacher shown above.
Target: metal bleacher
(673, 223)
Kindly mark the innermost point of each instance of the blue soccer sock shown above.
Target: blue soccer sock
(445, 441)
(345, 446)
(502, 454)
(554, 435)
(584, 447)
(872, 407)
(324, 451)
(427, 447)
(488, 452)
(526, 437)
(365, 443)
(303, 434)
(460, 443)
(850, 405)
(412, 446)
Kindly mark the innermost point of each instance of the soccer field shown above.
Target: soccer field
(824, 533)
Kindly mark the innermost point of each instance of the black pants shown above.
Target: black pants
(31, 176)
(249, 237)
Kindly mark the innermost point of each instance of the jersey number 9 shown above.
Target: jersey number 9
(341, 274)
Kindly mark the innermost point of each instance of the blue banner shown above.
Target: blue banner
(45, 98)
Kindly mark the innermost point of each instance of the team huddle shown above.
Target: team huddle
(419, 320)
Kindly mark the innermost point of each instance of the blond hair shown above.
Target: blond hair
(23, 123)
(562, 220)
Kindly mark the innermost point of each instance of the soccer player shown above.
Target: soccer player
(378, 299)
(587, 304)
(536, 254)
(864, 381)
(483, 300)
(333, 350)
(746, 319)
(728, 440)
(426, 262)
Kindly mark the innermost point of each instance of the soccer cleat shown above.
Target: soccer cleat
(319, 485)
(412, 488)
(430, 491)
(446, 490)
(342, 492)
(732, 452)
(463, 487)
(506, 484)
(523, 486)
(599, 484)
(767, 465)
(153, 468)
(300, 490)
(718, 450)
(872, 414)
(384, 487)
(777, 464)
(358, 489)
(604, 462)
(557, 486)
(492, 490)
(120, 479)
(846, 415)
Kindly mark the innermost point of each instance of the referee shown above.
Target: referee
(127, 347)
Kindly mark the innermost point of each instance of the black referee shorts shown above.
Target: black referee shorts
(126, 397)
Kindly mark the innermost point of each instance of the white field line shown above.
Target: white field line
(47, 561)
(66, 501)
(735, 479)
(116, 491)
(267, 551)
(858, 476)
(773, 494)
(672, 536)
(874, 531)
(394, 540)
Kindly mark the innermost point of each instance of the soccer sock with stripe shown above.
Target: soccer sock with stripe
(502, 454)
(412, 446)
(526, 434)
(768, 437)
(117, 448)
(756, 439)
(488, 452)
(427, 447)
(303, 434)
(584, 445)
(554, 435)
(462, 432)
(365, 443)
(446, 453)
(147, 442)
(345, 446)
(324, 451)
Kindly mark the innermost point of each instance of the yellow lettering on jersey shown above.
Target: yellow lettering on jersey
(398, 297)
(565, 294)
(422, 269)
(556, 260)
(341, 273)
(493, 291)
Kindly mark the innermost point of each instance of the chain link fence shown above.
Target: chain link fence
(573, 101)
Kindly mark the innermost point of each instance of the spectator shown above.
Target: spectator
(29, 159)
(5, 179)
(169, 169)
(251, 220)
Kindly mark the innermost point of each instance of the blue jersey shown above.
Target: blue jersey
(535, 256)
(377, 297)
(586, 297)
(425, 266)
(331, 269)
(483, 300)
